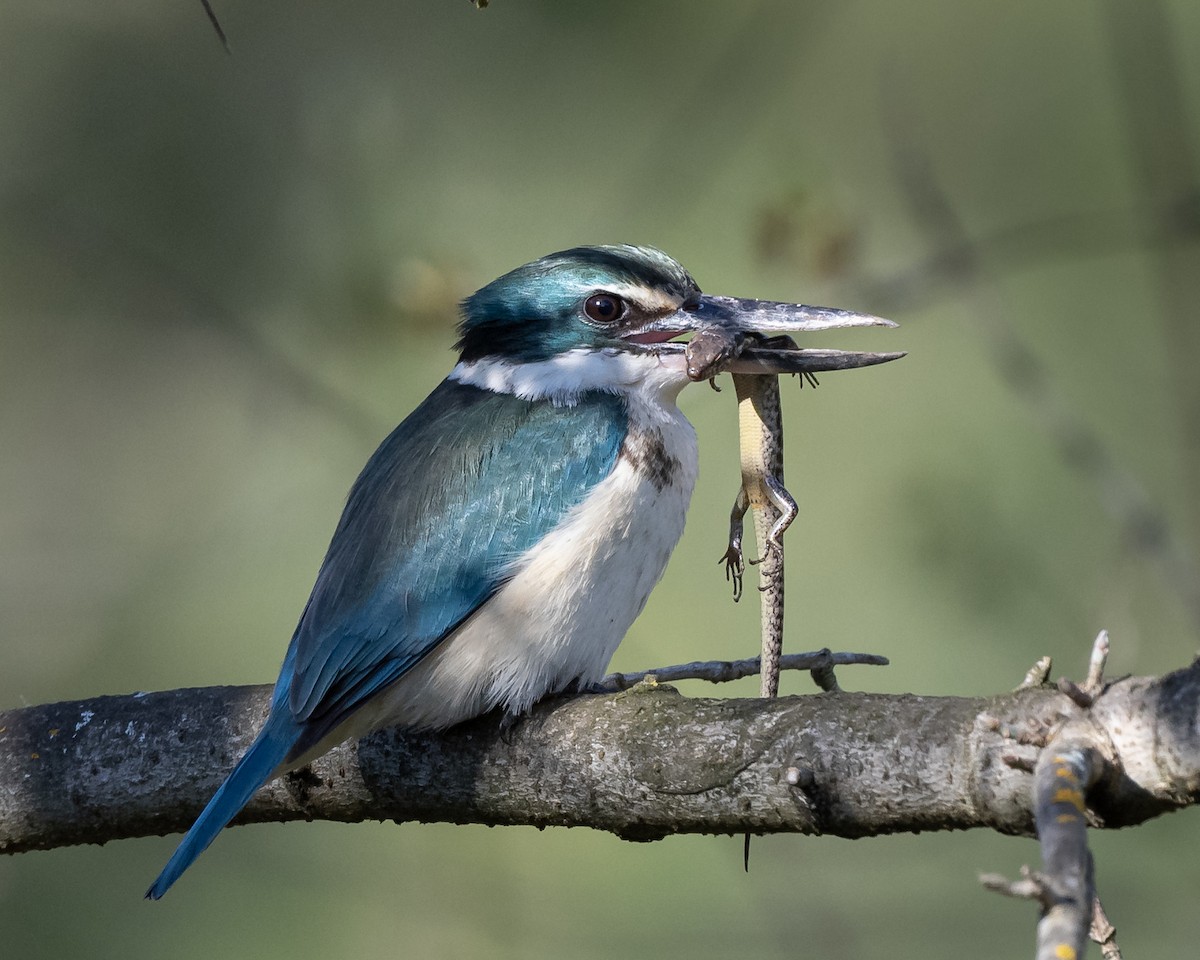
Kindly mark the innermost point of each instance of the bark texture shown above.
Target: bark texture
(642, 764)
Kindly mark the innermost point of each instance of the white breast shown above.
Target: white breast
(572, 598)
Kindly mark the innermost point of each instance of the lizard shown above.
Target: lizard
(760, 426)
(760, 420)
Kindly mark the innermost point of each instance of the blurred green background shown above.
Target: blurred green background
(223, 279)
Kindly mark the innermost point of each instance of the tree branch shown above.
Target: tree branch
(642, 764)
(722, 671)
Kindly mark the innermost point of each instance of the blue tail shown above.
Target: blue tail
(265, 754)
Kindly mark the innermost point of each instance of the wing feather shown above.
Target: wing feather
(467, 483)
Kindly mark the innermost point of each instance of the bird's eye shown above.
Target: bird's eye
(604, 308)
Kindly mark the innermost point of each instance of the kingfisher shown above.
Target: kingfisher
(502, 539)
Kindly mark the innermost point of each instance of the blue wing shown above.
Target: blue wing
(468, 482)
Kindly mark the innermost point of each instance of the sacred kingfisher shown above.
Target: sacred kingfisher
(500, 542)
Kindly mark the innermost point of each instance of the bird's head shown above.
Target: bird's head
(620, 297)
(579, 298)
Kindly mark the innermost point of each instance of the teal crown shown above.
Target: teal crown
(536, 311)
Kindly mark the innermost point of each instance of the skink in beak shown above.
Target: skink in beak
(738, 335)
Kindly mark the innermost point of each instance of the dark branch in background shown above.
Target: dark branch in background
(1162, 151)
(643, 764)
(1122, 496)
(1057, 239)
(170, 284)
(216, 24)
(1080, 754)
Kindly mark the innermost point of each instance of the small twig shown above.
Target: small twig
(1095, 675)
(1064, 924)
(1085, 694)
(824, 677)
(216, 24)
(1103, 932)
(1031, 886)
(1037, 675)
(1079, 696)
(722, 671)
(1023, 764)
(1071, 762)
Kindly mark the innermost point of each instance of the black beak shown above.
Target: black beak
(743, 336)
(735, 314)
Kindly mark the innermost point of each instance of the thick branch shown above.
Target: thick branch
(642, 764)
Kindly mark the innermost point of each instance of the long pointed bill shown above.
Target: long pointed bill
(743, 336)
(738, 315)
(763, 360)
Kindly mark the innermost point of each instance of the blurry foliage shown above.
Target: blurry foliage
(805, 234)
(223, 278)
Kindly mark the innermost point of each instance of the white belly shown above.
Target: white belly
(570, 600)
